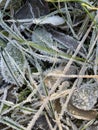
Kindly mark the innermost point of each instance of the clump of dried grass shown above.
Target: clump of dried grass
(22, 105)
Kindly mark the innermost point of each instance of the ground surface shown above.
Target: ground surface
(48, 65)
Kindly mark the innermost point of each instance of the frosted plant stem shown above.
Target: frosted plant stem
(32, 122)
(68, 66)
(4, 98)
(71, 59)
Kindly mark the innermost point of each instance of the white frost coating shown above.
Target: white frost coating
(54, 20)
(0, 1)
